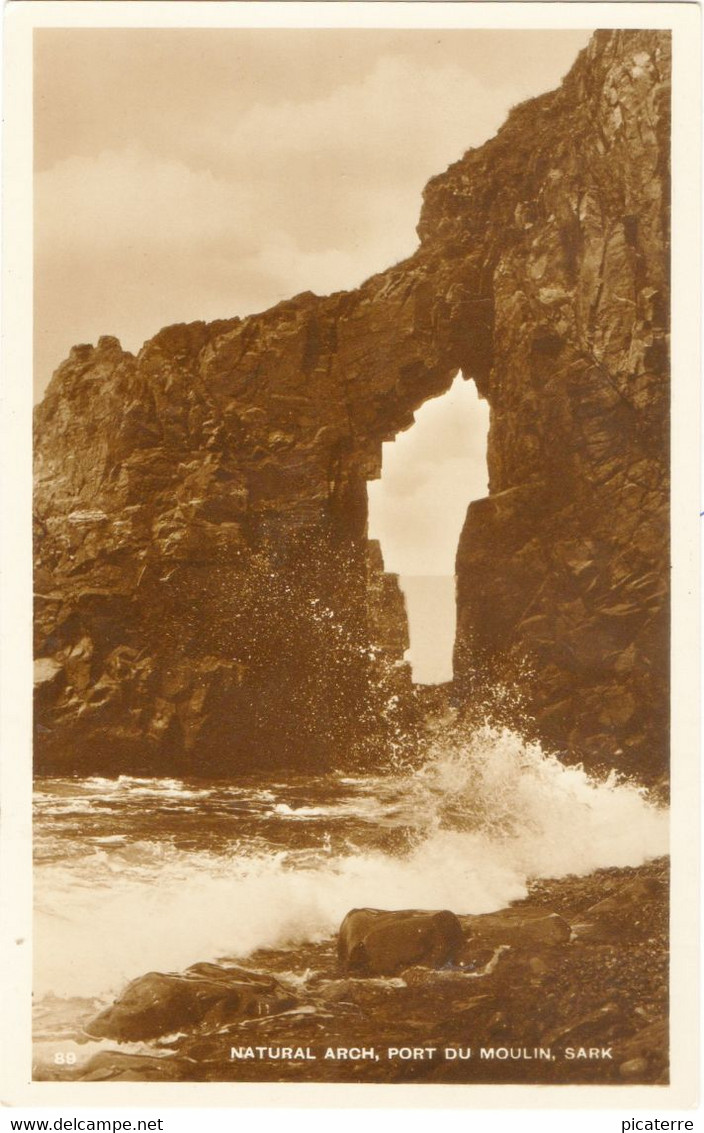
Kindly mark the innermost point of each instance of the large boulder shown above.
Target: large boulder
(161, 1004)
(376, 942)
(518, 928)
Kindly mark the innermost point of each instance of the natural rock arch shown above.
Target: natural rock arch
(207, 596)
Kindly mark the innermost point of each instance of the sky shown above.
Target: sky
(429, 475)
(186, 174)
(417, 511)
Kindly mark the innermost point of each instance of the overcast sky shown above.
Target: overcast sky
(197, 174)
(186, 174)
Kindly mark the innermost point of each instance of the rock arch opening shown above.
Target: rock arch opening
(430, 474)
(204, 578)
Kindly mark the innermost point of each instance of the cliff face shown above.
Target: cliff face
(579, 448)
(207, 598)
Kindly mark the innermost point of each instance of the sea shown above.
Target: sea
(141, 874)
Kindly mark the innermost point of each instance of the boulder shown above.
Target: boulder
(632, 912)
(113, 1066)
(519, 928)
(376, 942)
(160, 1004)
(644, 1057)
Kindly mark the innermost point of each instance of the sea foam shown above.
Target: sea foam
(484, 815)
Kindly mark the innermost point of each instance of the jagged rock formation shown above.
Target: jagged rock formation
(207, 598)
(566, 563)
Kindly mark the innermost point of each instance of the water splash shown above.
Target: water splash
(484, 815)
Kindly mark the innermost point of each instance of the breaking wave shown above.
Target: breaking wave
(168, 873)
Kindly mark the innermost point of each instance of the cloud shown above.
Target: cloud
(126, 242)
(398, 119)
(332, 174)
(235, 190)
(127, 200)
(172, 90)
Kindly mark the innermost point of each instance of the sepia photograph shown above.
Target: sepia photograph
(352, 525)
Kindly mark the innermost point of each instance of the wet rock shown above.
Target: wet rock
(611, 996)
(628, 899)
(375, 942)
(157, 1004)
(634, 1068)
(112, 1066)
(586, 1029)
(46, 670)
(633, 910)
(538, 966)
(644, 1056)
(518, 928)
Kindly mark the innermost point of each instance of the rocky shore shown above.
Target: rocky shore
(569, 986)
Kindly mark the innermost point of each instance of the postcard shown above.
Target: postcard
(363, 748)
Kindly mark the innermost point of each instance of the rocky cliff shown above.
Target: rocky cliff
(207, 599)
